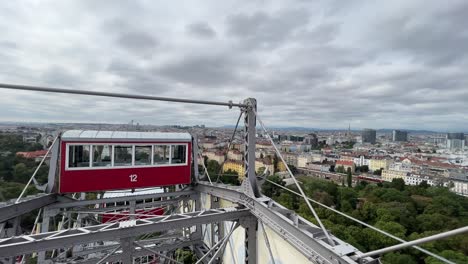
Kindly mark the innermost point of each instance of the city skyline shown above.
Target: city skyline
(320, 64)
(259, 129)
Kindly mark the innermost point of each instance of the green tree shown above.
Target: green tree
(424, 185)
(456, 257)
(21, 173)
(230, 177)
(213, 168)
(270, 189)
(260, 171)
(349, 177)
(398, 184)
(186, 256)
(434, 222)
(289, 200)
(364, 168)
(340, 169)
(292, 168)
(275, 162)
(414, 211)
(397, 258)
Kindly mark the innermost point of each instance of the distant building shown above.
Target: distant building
(37, 155)
(281, 166)
(214, 155)
(235, 154)
(369, 136)
(303, 159)
(32, 154)
(399, 136)
(397, 170)
(413, 179)
(29, 139)
(440, 139)
(319, 166)
(459, 185)
(263, 145)
(345, 164)
(378, 163)
(361, 161)
(455, 141)
(316, 157)
(265, 163)
(311, 139)
(290, 158)
(236, 166)
(208, 144)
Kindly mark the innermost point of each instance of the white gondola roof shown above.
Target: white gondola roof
(97, 135)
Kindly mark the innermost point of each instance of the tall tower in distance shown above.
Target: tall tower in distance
(455, 141)
(399, 136)
(349, 136)
(369, 135)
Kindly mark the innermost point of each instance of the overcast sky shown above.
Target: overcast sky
(376, 64)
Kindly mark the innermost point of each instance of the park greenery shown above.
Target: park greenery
(409, 212)
(217, 174)
(15, 171)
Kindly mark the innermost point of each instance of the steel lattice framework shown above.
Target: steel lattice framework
(209, 218)
(105, 238)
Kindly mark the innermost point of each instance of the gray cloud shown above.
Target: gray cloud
(309, 63)
(138, 42)
(60, 76)
(265, 30)
(201, 30)
(439, 38)
(202, 70)
(8, 45)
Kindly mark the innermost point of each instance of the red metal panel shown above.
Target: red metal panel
(91, 180)
(122, 216)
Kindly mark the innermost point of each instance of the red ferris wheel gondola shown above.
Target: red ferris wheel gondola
(110, 160)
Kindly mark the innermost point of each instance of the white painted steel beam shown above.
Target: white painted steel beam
(300, 233)
(16, 246)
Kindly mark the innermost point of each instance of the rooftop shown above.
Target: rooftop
(96, 135)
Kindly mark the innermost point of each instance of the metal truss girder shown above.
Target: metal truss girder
(138, 252)
(200, 250)
(159, 242)
(303, 235)
(66, 202)
(124, 207)
(94, 249)
(26, 205)
(16, 246)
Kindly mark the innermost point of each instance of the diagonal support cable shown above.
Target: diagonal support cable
(157, 253)
(364, 224)
(457, 231)
(219, 251)
(35, 172)
(108, 255)
(203, 164)
(229, 146)
(330, 240)
(230, 104)
(267, 242)
(220, 244)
